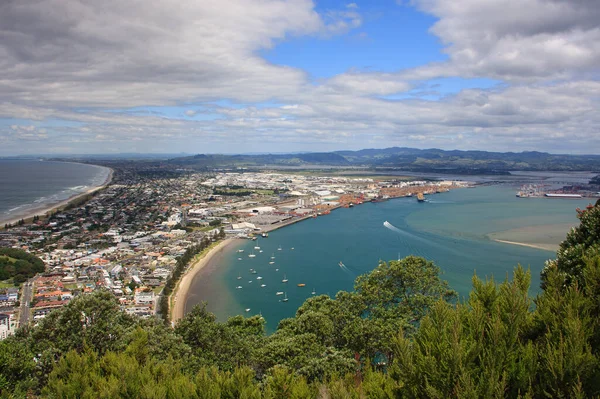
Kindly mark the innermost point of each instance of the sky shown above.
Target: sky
(245, 76)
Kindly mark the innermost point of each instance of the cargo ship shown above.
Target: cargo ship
(420, 197)
(560, 195)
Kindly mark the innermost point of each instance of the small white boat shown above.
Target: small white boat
(285, 298)
(249, 281)
(270, 263)
(313, 292)
(263, 285)
(253, 272)
(273, 255)
(279, 249)
(251, 255)
(240, 250)
(260, 250)
(257, 247)
(239, 258)
(247, 309)
(259, 278)
(276, 270)
(239, 287)
(239, 277)
(292, 248)
(285, 280)
(279, 293)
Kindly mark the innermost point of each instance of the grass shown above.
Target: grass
(6, 284)
(158, 289)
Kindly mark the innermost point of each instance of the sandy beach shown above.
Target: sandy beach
(46, 208)
(209, 258)
(545, 247)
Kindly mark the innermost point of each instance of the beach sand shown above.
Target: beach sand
(47, 208)
(209, 259)
(545, 237)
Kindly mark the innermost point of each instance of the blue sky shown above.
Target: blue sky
(299, 75)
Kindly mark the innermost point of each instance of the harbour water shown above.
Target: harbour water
(452, 229)
(28, 185)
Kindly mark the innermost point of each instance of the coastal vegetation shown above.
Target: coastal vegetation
(19, 265)
(401, 333)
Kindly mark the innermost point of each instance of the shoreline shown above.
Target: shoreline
(43, 210)
(179, 296)
(543, 247)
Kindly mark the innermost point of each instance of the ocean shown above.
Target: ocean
(453, 229)
(29, 185)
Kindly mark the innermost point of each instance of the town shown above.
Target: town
(127, 237)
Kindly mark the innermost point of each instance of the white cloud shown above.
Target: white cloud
(85, 61)
(515, 39)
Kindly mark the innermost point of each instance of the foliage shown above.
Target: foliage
(582, 243)
(19, 265)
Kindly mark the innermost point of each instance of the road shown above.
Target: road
(26, 296)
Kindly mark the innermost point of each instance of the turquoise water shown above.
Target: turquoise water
(450, 230)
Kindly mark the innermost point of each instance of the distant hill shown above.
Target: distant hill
(402, 158)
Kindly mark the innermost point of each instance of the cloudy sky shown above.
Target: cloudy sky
(231, 76)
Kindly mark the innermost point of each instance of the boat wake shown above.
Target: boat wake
(346, 270)
(392, 227)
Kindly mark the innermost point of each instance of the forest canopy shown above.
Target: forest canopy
(18, 265)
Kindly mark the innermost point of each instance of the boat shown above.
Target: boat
(285, 298)
(253, 238)
(560, 195)
(301, 285)
(257, 247)
(270, 263)
(285, 280)
(251, 255)
(314, 292)
(239, 258)
(239, 277)
(279, 293)
(279, 249)
(263, 285)
(239, 287)
(240, 250)
(260, 251)
(253, 272)
(265, 235)
(247, 309)
(341, 264)
(420, 197)
(276, 270)
(292, 248)
(259, 278)
(273, 255)
(249, 281)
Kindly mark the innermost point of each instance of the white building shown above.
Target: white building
(8, 325)
(144, 298)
